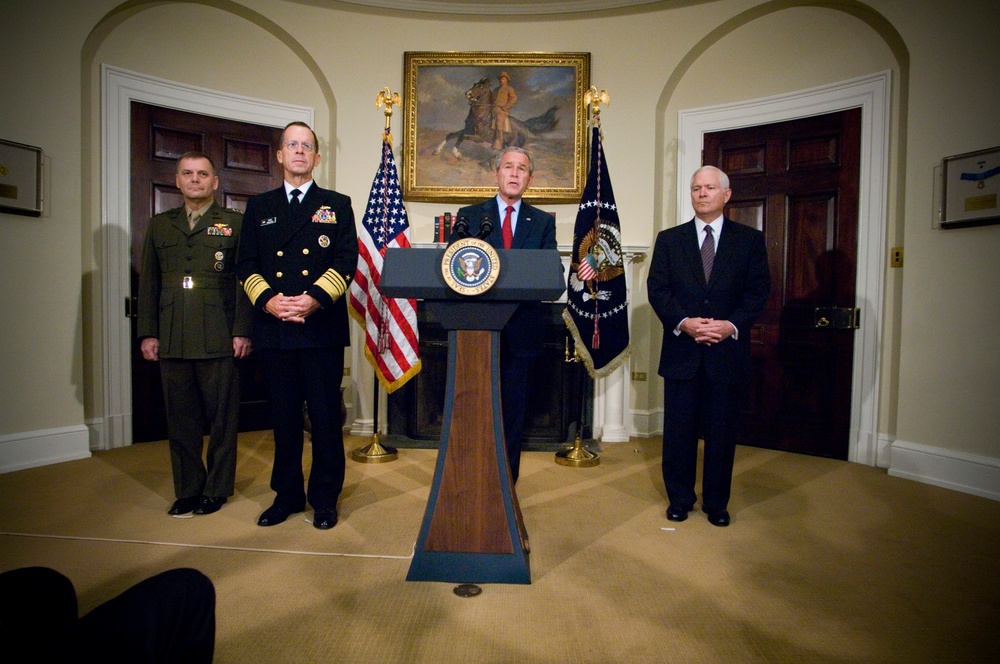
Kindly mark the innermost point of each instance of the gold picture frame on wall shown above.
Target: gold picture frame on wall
(20, 179)
(450, 123)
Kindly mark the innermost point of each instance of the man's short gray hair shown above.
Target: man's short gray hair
(510, 148)
(723, 178)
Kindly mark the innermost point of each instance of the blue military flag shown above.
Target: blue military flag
(597, 311)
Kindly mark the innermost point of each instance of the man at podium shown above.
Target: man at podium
(522, 226)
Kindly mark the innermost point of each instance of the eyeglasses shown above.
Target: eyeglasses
(294, 145)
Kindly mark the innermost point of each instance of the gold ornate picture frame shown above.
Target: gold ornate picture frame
(450, 123)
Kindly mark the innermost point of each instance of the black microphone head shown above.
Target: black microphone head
(461, 227)
(485, 227)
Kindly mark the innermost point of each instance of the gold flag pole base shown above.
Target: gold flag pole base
(374, 453)
(578, 456)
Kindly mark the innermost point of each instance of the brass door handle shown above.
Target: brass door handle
(837, 318)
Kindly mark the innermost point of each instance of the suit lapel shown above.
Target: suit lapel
(692, 254)
(724, 251)
(524, 226)
(288, 224)
(178, 220)
(488, 208)
(208, 217)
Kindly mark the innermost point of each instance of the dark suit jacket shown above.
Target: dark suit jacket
(535, 230)
(737, 292)
(198, 322)
(316, 252)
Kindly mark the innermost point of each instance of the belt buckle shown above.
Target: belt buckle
(188, 282)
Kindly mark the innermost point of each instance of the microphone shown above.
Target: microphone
(485, 227)
(461, 228)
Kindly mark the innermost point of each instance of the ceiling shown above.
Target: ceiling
(503, 7)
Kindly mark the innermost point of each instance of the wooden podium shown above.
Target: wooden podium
(472, 530)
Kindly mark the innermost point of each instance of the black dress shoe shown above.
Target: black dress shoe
(675, 513)
(184, 505)
(325, 518)
(276, 514)
(719, 518)
(210, 504)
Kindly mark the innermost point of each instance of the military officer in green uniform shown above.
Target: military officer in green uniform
(194, 319)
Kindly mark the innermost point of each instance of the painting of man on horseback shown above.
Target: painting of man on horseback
(463, 108)
(489, 119)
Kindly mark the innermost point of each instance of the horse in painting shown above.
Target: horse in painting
(479, 125)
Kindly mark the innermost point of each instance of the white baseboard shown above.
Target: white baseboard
(968, 473)
(646, 423)
(40, 448)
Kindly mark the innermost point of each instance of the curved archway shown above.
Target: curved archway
(863, 12)
(110, 91)
(870, 92)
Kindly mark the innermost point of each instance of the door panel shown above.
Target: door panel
(244, 158)
(797, 181)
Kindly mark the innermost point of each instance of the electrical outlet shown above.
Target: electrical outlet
(639, 376)
(896, 257)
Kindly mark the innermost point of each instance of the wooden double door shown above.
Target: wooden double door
(244, 156)
(797, 181)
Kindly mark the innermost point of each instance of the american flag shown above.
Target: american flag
(391, 338)
(596, 296)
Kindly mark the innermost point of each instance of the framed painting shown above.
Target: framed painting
(20, 179)
(461, 109)
(971, 189)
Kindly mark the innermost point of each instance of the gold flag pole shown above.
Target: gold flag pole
(375, 452)
(579, 456)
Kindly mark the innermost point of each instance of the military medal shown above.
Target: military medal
(220, 229)
(219, 256)
(324, 241)
(325, 215)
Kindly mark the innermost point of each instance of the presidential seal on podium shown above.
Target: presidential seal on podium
(470, 266)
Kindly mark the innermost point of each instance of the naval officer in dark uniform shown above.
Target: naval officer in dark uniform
(195, 320)
(297, 255)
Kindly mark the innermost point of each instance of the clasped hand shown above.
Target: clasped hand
(707, 330)
(293, 309)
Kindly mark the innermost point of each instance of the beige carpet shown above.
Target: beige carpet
(825, 561)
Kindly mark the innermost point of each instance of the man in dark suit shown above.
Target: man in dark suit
(297, 255)
(516, 225)
(195, 320)
(707, 288)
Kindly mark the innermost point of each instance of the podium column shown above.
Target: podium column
(472, 531)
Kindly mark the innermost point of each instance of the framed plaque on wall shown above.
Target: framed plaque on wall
(971, 189)
(20, 179)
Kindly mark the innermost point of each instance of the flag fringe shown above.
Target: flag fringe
(588, 360)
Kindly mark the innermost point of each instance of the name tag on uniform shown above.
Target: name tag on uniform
(268, 222)
(325, 215)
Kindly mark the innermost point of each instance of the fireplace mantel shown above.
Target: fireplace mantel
(611, 395)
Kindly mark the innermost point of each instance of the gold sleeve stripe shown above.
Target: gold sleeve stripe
(254, 286)
(332, 283)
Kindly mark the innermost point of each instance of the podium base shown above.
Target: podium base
(477, 568)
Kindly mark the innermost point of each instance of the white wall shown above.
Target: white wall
(939, 362)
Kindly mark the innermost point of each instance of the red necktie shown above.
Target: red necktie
(508, 233)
